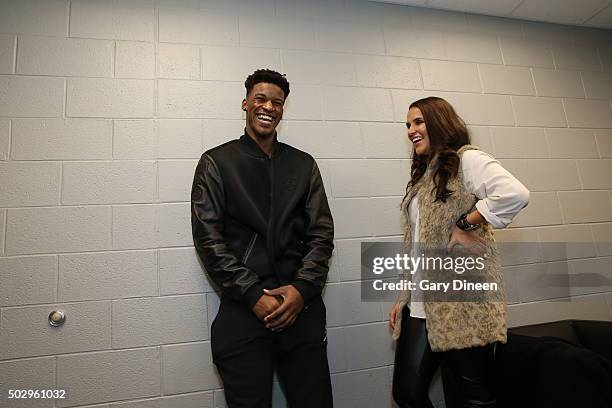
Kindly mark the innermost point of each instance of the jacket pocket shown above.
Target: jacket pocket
(249, 248)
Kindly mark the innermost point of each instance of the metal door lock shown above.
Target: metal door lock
(57, 318)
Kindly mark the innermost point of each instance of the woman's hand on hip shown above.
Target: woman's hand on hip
(467, 241)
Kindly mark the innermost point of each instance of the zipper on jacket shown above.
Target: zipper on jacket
(249, 249)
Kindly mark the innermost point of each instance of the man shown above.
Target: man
(264, 232)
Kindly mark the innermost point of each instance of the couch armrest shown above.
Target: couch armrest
(595, 335)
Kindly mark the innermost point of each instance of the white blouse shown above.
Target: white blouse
(500, 198)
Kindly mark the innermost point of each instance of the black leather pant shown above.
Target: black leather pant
(415, 364)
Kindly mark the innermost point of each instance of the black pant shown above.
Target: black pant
(246, 355)
(415, 364)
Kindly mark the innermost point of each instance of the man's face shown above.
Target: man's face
(264, 109)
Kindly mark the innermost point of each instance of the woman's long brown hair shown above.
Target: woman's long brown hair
(447, 133)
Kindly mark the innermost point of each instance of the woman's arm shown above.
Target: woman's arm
(500, 195)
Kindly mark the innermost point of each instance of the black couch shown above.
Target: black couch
(559, 364)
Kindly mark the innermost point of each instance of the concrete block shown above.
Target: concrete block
(348, 252)
(450, 76)
(584, 113)
(572, 205)
(315, 9)
(109, 376)
(441, 19)
(28, 280)
(7, 53)
(5, 131)
(63, 229)
(29, 184)
(543, 209)
(187, 368)
(22, 374)
(598, 85)
(272, 32)
(559, 83)
(500, 79)
(348, 37)
(472, 48)
(151, 226)
(116, 98)
(386, 140)
(345, 306)
(494, 26)
(323, 139)
(108, 182)
(134, 227)
(532, 111)
(583, 57)
(304, 103)
(362, 389)
(180, 139)
(180, 272)
(387, 72)
(595, 174)
(36, 17)
(240, 7)
(336, 350)
(356, 178)
(352, 217)
(481, 137)
(475, 109)
(115, 21)
(61, 139)
(370, 346)
(235, 64)
(590, 276)
(311, 67)
(510, 143)
(135, 139)
(553, 175)
(175, 179)
(199, 27)
(399, 40)
(576, 242)
(571, 143)
(359, 104)
(65, 57)
(212, 306)
(135, 60)
(387, 216)
(2, 230)
(160, 320)
(529, 53)
(31, 96)
(107, 275)
(604, 142)
(183, 99)
(602, 235)
(174, 222)
(216, 132)
(26, 333)
(178, 61)
(550, 311)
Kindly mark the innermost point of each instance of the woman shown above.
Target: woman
(456, 196)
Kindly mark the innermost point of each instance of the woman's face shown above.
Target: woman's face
(417, 131)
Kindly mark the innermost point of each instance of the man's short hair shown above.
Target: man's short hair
(268, 76)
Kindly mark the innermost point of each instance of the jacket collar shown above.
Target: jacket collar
(253, 149)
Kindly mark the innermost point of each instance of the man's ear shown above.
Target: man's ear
(244, 105)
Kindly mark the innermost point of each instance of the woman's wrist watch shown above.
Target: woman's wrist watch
(464, 224)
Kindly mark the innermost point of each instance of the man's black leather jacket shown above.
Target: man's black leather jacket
(261, 222)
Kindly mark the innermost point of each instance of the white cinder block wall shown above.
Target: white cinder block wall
(105, 107)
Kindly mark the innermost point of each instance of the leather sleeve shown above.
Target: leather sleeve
(207, 211)
(319, 240)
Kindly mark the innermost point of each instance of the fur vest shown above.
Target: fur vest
(454, 325)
